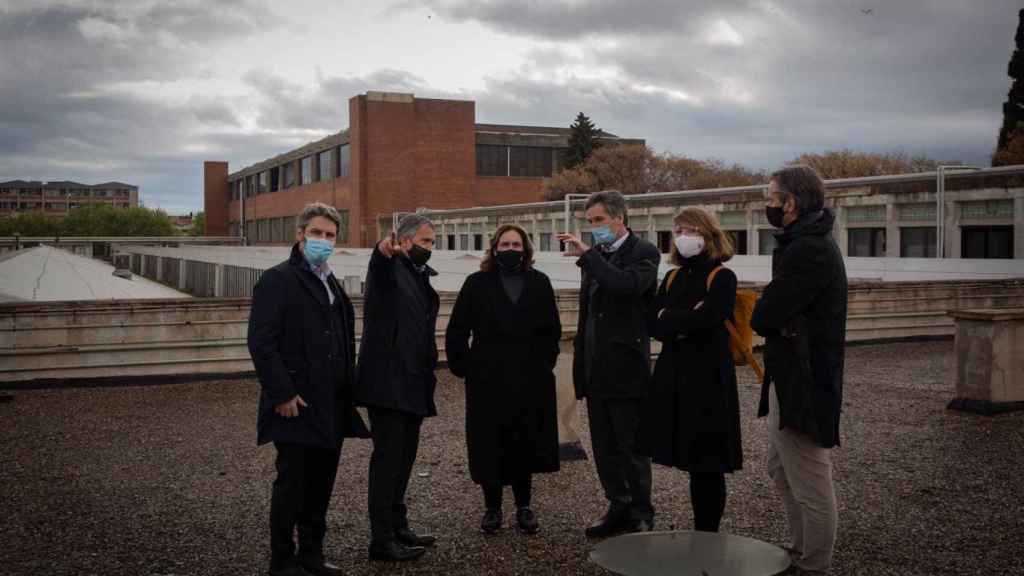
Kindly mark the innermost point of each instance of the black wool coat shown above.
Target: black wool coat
(626, 281)
(398, 352)
(692, 415)
(302, 345)
(511, 420)
(802, 315)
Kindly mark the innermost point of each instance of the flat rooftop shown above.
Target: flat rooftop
(168, 480)
(45, 274)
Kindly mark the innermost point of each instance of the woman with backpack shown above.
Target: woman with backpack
(692, 413)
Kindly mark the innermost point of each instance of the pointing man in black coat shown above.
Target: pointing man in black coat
(302, 342)
(611, 367)
(397, 360)
(802, 315)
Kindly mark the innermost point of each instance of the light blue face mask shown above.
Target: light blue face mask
(317, 251)
(602, 235)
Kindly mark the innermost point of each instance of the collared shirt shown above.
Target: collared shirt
(322, 272)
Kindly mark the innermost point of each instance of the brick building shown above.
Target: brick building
(399, 153)
(60, 197)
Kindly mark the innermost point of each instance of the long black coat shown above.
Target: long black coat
(398, 353)
(302, 345)
(692, 416)
(802, 315)
(626, 282)
(511, 421)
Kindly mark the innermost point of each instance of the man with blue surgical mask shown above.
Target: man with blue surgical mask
(611, 367)
(302, 342)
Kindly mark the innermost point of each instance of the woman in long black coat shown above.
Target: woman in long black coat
(692, 416)
(508, 309)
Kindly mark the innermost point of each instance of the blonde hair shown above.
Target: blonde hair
(716, 241)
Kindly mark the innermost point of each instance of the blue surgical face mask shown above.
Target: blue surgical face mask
(317, 251)
(602, 235)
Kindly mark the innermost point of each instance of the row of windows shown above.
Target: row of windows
(521, 161)
(61, 192)
(332, 163)
(282, 230)
(915, 242)
(49, 206)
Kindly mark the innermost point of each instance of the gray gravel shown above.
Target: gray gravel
(168, 480)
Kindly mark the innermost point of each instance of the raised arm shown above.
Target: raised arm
(634, 279)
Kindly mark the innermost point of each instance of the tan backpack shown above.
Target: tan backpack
(741, 335)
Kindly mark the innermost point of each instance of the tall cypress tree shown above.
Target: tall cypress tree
(1013, 108)
(581, 141)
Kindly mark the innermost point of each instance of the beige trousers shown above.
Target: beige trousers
(802, 472)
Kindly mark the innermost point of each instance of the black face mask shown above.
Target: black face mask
(419, 255)
(509, 260)
(774, 215)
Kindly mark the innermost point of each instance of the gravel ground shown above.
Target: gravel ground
(168, 480)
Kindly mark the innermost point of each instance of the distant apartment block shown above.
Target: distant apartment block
(57, 198)
(399, 153)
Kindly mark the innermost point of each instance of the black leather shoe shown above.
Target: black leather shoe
(527, 520)
(608, 525)
(410, 538)
(320, 568)
(491, 522)
(395, 551)
(640, 526)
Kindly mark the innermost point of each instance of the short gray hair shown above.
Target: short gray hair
(319, 209)
(410, 224)
(613, 201)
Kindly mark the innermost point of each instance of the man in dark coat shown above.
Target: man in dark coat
(396, 380)
(508, 310)
(802, 315)
(302, 342)
(611, 366)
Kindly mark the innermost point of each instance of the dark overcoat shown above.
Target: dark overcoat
(506, 351)
(302, 345)
(398, 352)
(618, 288)
(692, 415)
(802, 315)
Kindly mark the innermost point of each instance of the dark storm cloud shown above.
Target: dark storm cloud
(921, 76)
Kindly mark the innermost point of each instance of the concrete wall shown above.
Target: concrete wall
(207, 336)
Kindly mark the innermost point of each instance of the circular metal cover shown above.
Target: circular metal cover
(686, 553)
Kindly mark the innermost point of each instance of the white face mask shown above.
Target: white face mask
(689, 246)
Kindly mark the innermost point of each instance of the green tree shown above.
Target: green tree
(99, 220)
(30, 225)
(1013, 108)
(582, 141)
(198, 225)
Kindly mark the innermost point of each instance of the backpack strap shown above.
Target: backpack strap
(711, 276)
(671, 278)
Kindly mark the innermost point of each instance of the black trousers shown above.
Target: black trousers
(707, 493)
(624, 474)
(396, 438)
(301, 493)
(522, 489)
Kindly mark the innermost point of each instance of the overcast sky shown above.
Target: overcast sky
(142, 91)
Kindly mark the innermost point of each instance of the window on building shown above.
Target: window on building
(739, 241)
(664, 241)
(450, 245)
(288, 174)
(530, 161)
(343, 161)
(641, 234)
(478, 241)
(765, 242)
(250, 182)
(275, 179)
(323, 163)
(463, 241)
(986, 242)
(342, 225)
(917, 242)
(545, 241)
(491, 160)
(261, 183)
(306, 165)
(866, 242)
